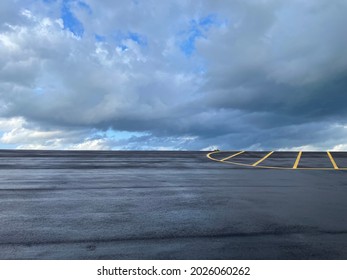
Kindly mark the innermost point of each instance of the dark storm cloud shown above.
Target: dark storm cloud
(185, 74)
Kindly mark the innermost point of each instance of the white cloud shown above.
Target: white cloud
(19, 132)
(340, 147)
(306, 148)
(210, 148)
(25, 136)
(96, 144)
(11, 123)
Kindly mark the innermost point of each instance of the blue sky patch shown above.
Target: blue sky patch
(70, 21)
(123, 47)
(100, 38)
(140, 40)
(196, 29)
(84, 6)
(117, 134)
(120, 36)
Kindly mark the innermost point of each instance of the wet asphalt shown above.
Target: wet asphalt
(169, 205)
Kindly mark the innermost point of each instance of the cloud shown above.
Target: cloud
(180, 75)
(96, 144)
(17, 131)
(340, 147)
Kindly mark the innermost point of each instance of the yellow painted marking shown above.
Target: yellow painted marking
(234, 155)
(295, 166)
(210, 156)
(332, 160)
(264, 158)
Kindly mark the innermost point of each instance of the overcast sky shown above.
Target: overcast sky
(190, 75)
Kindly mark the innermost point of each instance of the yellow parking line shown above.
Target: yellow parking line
(234, 155)
(264, 158)
(295, 166)
(334, 167)
(332, 160)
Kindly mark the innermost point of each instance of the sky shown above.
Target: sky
(173, 75)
